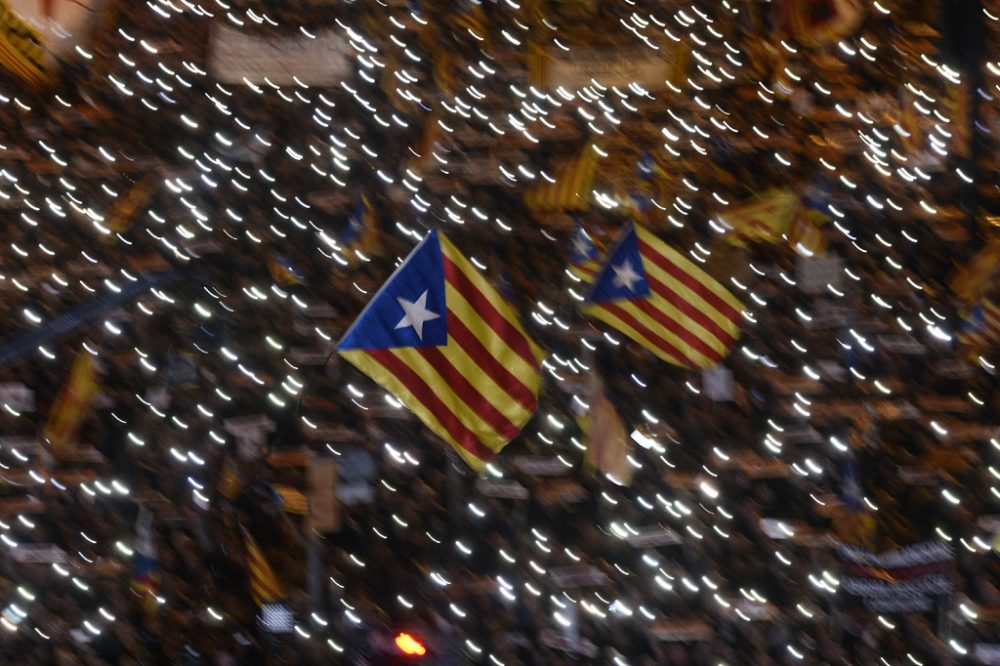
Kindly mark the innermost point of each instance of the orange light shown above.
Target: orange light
(409, 645)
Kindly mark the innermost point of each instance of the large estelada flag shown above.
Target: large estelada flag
(658, 297)
(441, 339)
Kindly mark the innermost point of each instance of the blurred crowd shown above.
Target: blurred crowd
(141, 159)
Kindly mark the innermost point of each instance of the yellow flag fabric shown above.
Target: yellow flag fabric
(231, 482)
(71, 405)
(658, 297)
(292, 499)
(804, 234)
(978, 277)
(264, 585)
(125, 208)
(571, 189)
(21, 48)
(607, 440)
(764, 218)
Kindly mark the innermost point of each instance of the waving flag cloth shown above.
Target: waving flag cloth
(980, 275)
(124, 210)
(804, 234)
(445, 343)
(570, 189)
(607, 439)
(283, 270)
(853, 523)
(653, 294)
(264, 585)
(585, 260)
(71, 406)
(981, 329)
(21, 51)
(361, 238)
(764, 218)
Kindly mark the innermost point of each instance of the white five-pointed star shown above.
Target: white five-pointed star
(625, 275)
(415, 314)
(581, 246)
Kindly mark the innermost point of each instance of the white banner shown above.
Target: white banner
(905, 580)
(717, 383)
(250, 433)
(39, 553)
(320, 61)
(609, 67)
(324, 516)
(502, 489)
(813, 275)
(17, 396)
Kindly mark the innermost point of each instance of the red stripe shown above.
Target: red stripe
(516, 340)
(422, 392)
(265, 589)
(496, 370)
(672, 325)
(689, 280)
(468, 393)
(685, 306)
(648, 334)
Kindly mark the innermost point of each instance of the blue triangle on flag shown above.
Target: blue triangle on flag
(623, 275)
(584, 248)
(355, 224)
(850, 487)
(409, 310)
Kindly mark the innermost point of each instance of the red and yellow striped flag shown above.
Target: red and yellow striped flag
(71, 405)
(441, 339)
(981, 329)
(982, 274)
(571, 189)
(607, 439)
(123, 211)
(21, 49)
(764, 218)
(264, 585)
(292, 500)
(804, 235)
(655, 295)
